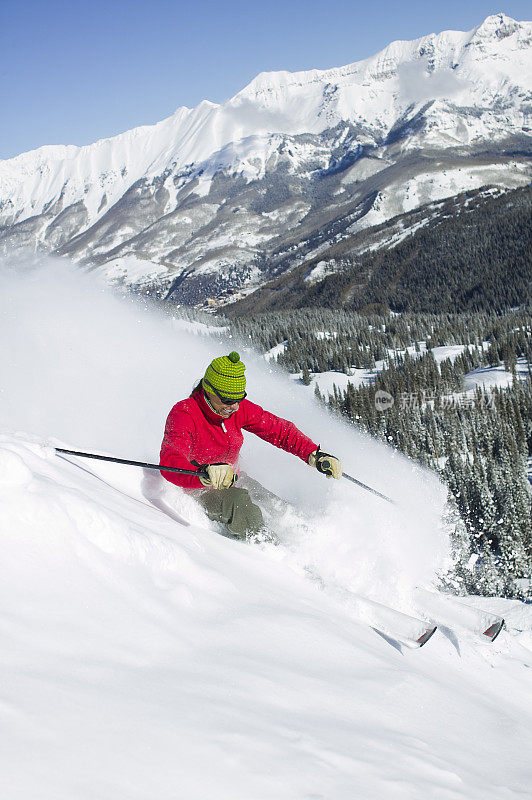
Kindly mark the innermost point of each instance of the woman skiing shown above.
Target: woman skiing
(204, 432)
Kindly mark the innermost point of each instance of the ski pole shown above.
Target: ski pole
(132, 463)
(368, 488)
(327, 465)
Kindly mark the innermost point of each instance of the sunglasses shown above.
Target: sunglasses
(227, 401)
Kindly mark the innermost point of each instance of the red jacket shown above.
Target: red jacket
(195, 433)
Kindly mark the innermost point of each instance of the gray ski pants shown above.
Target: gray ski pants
(235, 508)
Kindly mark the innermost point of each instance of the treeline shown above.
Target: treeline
(319, 340)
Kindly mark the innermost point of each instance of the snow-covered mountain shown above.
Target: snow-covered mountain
(223, 196)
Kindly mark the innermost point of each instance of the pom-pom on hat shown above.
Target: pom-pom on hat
(225, 376)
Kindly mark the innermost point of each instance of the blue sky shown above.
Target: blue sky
(73, 72)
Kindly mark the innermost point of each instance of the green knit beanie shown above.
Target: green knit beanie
(225, 376)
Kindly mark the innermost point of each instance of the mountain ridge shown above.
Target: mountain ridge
(210, 193)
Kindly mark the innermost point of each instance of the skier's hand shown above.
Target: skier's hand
(326, 464)
(221, 476)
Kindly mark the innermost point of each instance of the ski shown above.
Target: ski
(389, 622)
(453, 613)
(402, 628)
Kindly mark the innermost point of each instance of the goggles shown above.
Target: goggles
(227, 401)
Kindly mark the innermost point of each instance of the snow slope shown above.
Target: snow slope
(143, 657)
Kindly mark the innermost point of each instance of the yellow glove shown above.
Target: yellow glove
(221, 476)
(325, 463)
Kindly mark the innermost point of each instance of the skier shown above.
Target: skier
(204, 432)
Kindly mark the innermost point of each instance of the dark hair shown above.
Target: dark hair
(196, 387)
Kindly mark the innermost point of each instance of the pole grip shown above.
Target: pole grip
(326, 467)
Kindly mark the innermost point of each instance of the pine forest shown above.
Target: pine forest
(479, 442)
